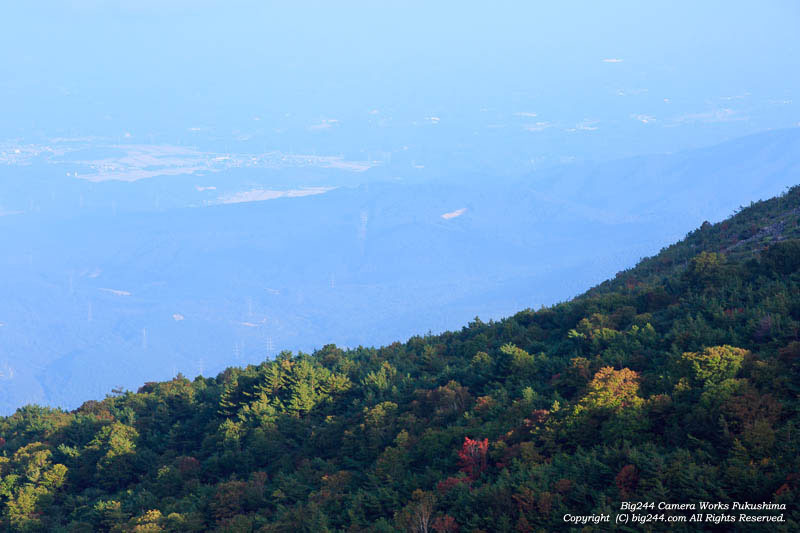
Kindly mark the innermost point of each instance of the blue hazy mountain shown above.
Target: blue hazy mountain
(111, 283)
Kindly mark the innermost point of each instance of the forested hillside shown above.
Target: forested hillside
(676, 381)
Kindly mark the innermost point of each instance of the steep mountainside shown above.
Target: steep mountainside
(675, 382)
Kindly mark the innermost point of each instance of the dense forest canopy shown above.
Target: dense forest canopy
(677, 381)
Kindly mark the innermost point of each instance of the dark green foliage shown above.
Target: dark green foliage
(783, 257)
(677, 381)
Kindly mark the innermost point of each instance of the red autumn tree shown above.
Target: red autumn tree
(445, 485)
(473, 456)
(626, 480)
(445, 524)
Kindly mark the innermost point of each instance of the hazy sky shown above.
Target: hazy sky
(605, 79)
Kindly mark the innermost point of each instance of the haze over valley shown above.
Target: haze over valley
(192, 272)
(176, 196)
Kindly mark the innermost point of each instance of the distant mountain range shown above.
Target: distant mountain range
(109, 284)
